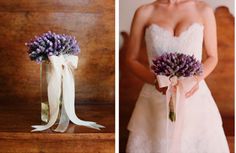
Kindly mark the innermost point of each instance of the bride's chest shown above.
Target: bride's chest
(160, 40)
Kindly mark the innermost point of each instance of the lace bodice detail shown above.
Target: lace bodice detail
(159, 40)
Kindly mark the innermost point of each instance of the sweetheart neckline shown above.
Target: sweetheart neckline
(170, 33)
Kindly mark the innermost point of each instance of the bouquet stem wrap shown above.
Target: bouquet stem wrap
(61, 84)
(175, 94)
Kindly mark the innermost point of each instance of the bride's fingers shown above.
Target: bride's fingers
(191, 92)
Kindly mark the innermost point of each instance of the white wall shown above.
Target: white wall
(128, 7)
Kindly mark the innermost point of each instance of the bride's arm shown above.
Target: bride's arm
(210, 46)
(136, 36)
(210, 43)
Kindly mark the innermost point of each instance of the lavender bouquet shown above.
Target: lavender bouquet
(60, 51)
(49, 44)
(176, 65)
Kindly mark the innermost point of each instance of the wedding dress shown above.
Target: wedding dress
(201, 131)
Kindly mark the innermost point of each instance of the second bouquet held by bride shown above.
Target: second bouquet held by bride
(177, 72)
(60, 51)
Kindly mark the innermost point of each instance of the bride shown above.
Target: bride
(184, 26)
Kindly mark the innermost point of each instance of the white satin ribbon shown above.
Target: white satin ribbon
(61, 77)
(176, 88)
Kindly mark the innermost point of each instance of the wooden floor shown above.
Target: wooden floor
(17, 117)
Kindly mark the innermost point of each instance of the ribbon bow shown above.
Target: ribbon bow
(61, 82)
(175, 106)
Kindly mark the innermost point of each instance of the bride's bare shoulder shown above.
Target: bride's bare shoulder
(206, 12)
(204, 8)
(144, 12)
(145, 9)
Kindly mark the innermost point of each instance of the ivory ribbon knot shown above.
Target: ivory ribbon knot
(176, 89)
(61, 84)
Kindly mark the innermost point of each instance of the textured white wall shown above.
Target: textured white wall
(128, 7)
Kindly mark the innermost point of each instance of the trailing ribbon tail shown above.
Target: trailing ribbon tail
(61, 77)
(64, 121)
(168, 95)
(175, 145)
(182, 85)
(69, 96)
(54, 92)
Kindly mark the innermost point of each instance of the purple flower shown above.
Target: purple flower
(176, 64)
(49, 44)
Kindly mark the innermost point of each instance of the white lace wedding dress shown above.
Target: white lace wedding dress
(202, 130)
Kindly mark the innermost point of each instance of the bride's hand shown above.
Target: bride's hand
(161, 90)
(193, 89)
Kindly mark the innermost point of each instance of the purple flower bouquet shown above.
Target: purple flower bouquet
(40, 49)
(49, 44)
(59, 51)
(176, 65)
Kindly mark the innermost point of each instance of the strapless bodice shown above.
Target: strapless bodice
(160, 40)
